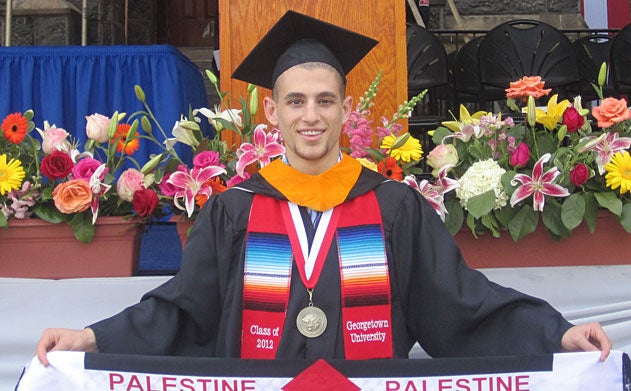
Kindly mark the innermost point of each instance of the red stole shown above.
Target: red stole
(272, 244)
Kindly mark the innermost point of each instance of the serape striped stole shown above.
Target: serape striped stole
(365, 285)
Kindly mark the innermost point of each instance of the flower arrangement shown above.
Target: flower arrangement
(216, 165)
(51, 178)
(397, 154)
(559, 166)
(56, 181)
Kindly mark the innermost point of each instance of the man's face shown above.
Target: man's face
(309, 109)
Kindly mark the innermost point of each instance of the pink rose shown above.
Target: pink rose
(206, 158)
(130, 181)
(165, 187)
(520, 156)
(442, 155)
(54, 139)
(86, 167)
(97, 127)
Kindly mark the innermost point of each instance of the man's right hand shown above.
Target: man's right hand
(65, 339)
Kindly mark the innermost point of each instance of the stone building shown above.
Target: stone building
(191, 23)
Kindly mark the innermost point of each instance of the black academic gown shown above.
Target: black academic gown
(450, 309)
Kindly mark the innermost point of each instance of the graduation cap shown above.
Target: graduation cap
(297, 39)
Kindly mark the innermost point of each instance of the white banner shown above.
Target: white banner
(104, 372)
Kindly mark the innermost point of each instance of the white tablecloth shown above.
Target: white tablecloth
(582, 294)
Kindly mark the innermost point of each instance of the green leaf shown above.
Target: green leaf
(506, 183)
(572, 211)
(490, 223)
(552, 220)
(523, 223)
(510, 102)
(454, 217)
(481, 204)
(439, 134)
(625, 218)
(4, 222)
(591, 210)
(471, 224)
(609, 200)
(505, 215)
(82, 227)
(48, 212)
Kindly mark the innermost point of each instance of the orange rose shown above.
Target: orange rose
(611, 111)
(527, 86)
(72, 196)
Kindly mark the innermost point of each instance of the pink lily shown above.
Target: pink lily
(266, 146)
(434, 193)
(190, 184)
(539, 185)
(466, 132)
(98, 188)
(605, 146)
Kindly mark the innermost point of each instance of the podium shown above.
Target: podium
(243, 23)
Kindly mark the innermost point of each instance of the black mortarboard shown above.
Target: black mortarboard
(297, 39)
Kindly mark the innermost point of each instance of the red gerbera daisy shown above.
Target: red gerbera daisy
(15, 127)
(390, 169)
(123, 145)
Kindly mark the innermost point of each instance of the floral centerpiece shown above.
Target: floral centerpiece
(558, 167)
(52, 178)
(47, 175)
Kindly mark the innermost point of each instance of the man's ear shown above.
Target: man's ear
(270, 110)
(347, 107)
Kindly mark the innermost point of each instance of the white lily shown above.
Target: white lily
(183, 130)
(230, 115)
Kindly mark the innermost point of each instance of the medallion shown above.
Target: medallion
(311, 322)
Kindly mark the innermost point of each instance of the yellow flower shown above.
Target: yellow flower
(465, 119)
(402, 148)
(550, 118)
(367, 163)
(11, 174)
(619, 172)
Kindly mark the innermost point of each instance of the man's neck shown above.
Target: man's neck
(310, 167)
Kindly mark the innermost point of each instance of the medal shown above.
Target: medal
(311, 322)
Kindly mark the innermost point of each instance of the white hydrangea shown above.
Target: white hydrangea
(478, 179)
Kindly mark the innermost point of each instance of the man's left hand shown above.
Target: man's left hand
(587, 337)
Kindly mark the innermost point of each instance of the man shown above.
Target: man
(318, 257)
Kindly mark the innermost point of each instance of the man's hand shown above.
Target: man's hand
(587, 337)
(65, 339)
